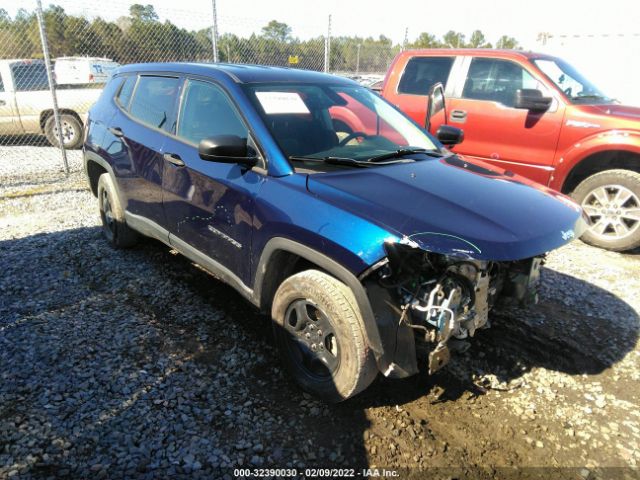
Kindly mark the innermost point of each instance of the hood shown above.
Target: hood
(456, 207)
(612, 112)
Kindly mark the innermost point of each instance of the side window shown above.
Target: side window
(154, 100)
(30, 77)
(207, 111)
(421, 73)
(496, 81)
(1, 85)
(124, 96)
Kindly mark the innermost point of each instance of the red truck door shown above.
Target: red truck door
(516, 139)
(419, 75)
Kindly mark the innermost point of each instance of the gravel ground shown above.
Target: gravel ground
(138, 364)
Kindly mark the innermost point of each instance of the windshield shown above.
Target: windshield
(336, 123)
(577, 88)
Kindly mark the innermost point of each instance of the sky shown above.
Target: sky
(522, 20)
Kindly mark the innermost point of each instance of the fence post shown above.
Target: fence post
(327, 47)
(214, 31)
(52, 89)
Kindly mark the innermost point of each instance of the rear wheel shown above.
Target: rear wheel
(114, 226)
(611, 200)
(71, 131)
(321, 337)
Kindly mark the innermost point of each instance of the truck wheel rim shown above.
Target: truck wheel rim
(68, 132)
(312, 343)
(613, 211)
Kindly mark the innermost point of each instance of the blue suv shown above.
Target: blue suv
(324, 205)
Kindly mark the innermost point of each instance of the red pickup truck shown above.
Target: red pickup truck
(536, 116)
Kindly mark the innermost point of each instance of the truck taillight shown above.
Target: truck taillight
(91, 77)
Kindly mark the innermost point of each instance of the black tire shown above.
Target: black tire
(612, 223)
(71, 131)
(343, 364)
(114, 226)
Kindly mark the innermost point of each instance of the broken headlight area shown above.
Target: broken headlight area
(444, 298)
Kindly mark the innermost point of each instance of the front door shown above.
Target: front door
(516, 139)
(209, 205)
(9, 120)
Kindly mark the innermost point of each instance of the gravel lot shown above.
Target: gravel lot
(138, 364)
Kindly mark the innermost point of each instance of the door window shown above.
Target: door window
(30, 77)
(496, 81)
(422, 73)
(124, 96)
(154, 101)
(207, 111)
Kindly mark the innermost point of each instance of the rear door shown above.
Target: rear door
(209, 205)
(419, 75)
(135, 139)
(511, 138)
(32, 95)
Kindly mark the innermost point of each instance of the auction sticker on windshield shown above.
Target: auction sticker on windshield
(281, 102)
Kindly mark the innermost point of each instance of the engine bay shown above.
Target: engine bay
(444, 298)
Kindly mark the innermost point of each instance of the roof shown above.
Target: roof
(240, 73)
(476, 52)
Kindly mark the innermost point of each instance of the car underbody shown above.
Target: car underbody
(443, 299)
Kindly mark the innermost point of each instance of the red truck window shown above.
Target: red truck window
(496, 81)
(421, 73)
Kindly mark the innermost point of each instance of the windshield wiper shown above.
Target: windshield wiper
(590, 97)
(405, 151)
(352, 162)
(332, 161)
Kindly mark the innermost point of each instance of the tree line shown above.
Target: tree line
(142, 37)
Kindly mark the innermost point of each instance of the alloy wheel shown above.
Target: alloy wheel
(613, 211)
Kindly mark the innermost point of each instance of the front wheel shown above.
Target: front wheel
(321, 336)
(611, 200)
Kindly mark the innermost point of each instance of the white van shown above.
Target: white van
(83, 70)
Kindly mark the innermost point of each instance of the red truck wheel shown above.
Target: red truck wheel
(611, 199)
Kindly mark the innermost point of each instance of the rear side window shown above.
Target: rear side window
(124, 96)
(496, 81)
(154, 100)
(421, 73)
(207, 111)
(30, 77)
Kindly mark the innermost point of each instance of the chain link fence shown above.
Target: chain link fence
(85, 42)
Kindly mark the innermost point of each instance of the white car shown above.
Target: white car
(83, 70)
(26, 106)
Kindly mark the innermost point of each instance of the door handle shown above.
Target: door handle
(116, 131)
(458, 116)
(174, 159)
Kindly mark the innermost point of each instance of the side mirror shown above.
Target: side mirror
(532, 99)
(449, 136)
(435, 104)
(227, 149)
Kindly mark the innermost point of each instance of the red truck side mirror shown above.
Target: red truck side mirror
(435, 104)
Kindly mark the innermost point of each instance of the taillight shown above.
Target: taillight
(91, 77)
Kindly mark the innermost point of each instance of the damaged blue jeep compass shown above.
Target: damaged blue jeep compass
(322, 204)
